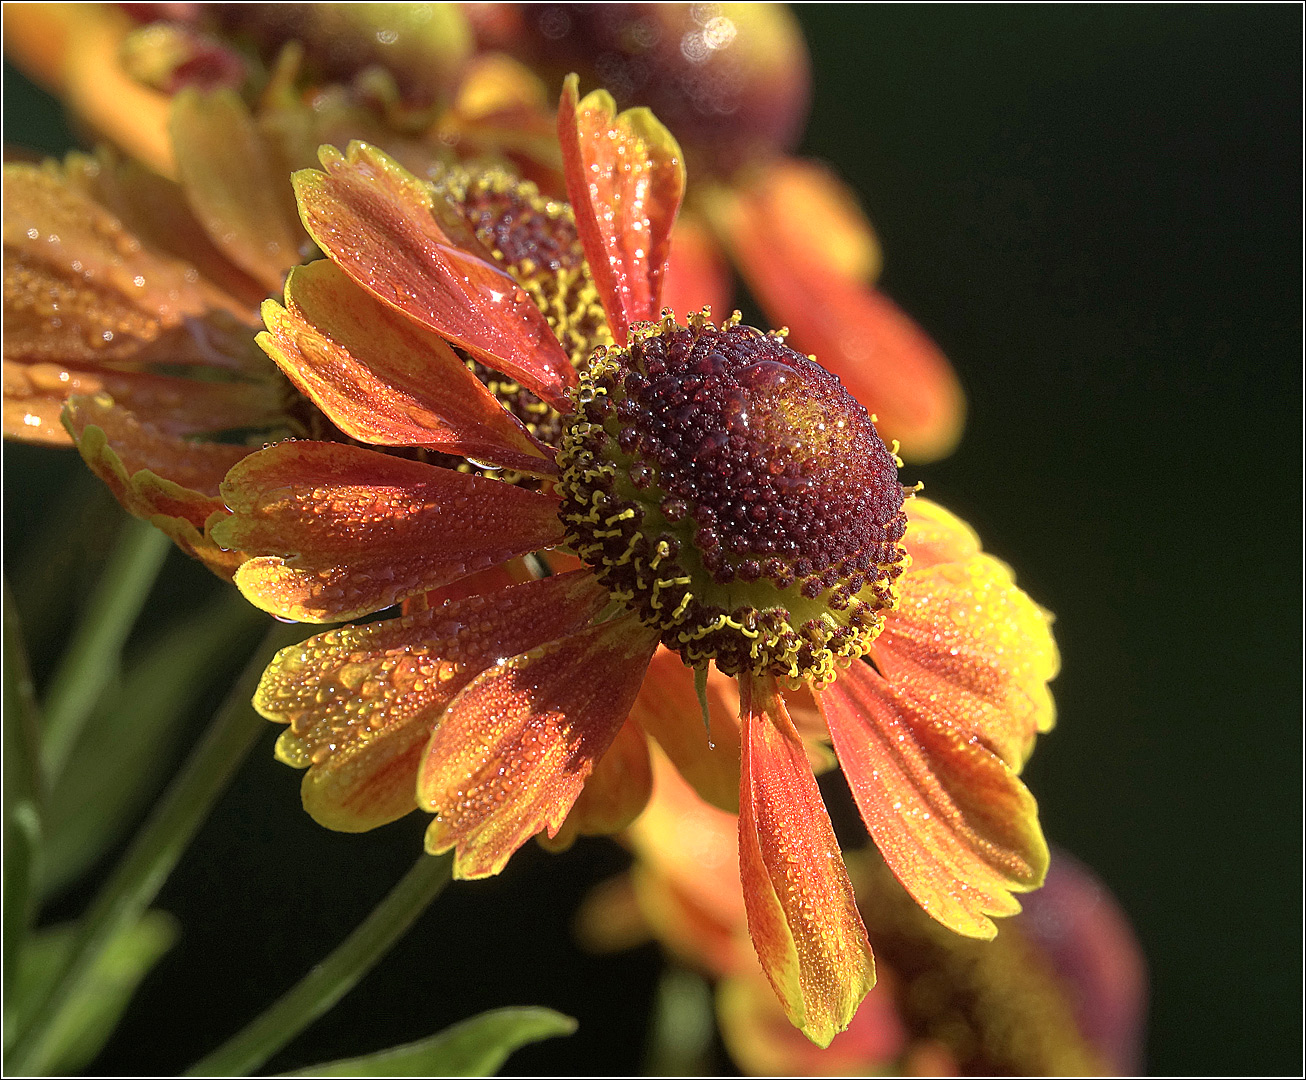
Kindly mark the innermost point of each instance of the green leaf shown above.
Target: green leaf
(475, 1047)
(94, 1010)
(131, 741)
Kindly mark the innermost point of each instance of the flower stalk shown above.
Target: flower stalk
(157, 847)
(92, 656)
(334, 977)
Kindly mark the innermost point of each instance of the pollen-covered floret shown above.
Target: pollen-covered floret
(733, 493)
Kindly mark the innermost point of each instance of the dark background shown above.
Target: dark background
(1096, 211)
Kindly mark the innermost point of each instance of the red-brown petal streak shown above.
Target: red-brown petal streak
(516, 747)
(376, 221)
(345, 531)
(625, 179)
(802, 914)
(362, 701)
(954, 823)
(383, 379)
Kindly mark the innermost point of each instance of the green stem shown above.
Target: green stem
(334, 977)
(92, 656)
(23, 797)
(157, 847)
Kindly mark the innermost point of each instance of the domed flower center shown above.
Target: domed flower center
(733, 493)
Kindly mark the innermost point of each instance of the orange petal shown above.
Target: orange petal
(669, 710)
(516, 747)
(696, 276)
(625, 179)
(86, 266)
(687, 874)
(954, 823)
(378, 222)
(105, 97)
(616, 792)
(237, 187)
(346, 531)
(801, 910)
(381, 378)
(168, 482)
(362, 701)
(886, 360)
(34, 395)
(966, 644)
(156, 210)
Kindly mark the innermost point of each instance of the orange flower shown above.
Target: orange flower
(733, 82)
(132, 286)
(1060, 992)
(730, 505)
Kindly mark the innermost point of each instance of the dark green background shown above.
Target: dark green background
(1097, 212)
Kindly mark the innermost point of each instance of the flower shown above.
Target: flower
(133, 285)
(733, 82)
(132, 300)
(730, 505)
(1060, 992)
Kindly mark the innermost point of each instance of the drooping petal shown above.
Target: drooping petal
(516, 747)
(344, 531)
(156, 210)
(168, 482)
(362, 701)
(73, 266)
(34, 395)
(668, 709)
(236, 184)
(955, 824)
(383, 379)
(614, 795)
(377, 221)
(697, 276)
(886, 361)
(801, 910)
(966, 644)
(625, 179)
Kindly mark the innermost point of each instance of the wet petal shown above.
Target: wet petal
(236, 185)
(168, 482)
(376, 220)
(616, 792)
(669, 710)
(72, 265)
(381, 378)
(801, 911)
(516, 747)
(156, 210)
(347, 531)
(886, 361)
(697, 276)
(34, 395)
(362, 701)
(625, 179)
(968, 646)
(955, 824)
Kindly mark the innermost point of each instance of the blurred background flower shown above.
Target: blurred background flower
(1096, 214)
